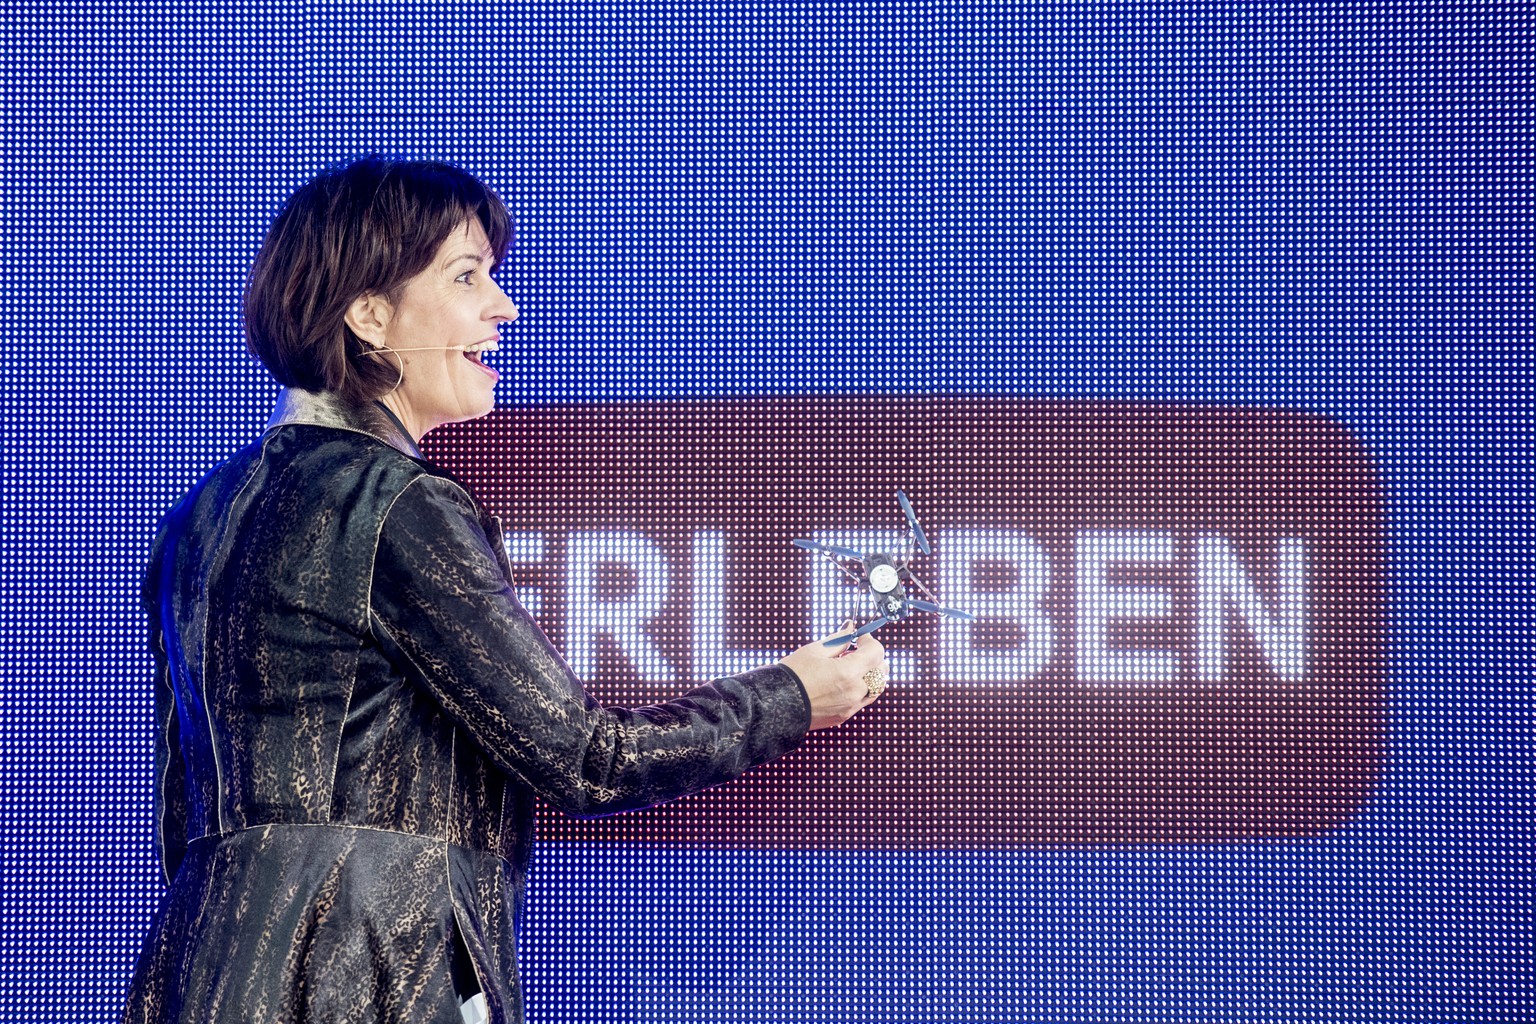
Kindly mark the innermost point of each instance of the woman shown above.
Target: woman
(355, 713)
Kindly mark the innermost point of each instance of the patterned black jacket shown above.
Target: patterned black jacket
(356, 716)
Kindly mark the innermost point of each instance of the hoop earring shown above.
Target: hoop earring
(399, 372)
(399, 364)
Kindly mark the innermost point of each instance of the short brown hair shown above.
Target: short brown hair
(364, 228)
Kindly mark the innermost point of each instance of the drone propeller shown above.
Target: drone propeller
(917, 531)
(829, 549)
(848, 638)
(951, 613)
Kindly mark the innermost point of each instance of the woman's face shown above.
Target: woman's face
(451, 310)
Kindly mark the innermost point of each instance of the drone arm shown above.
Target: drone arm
(843, 568)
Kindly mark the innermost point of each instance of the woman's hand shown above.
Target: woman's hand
(838, 680)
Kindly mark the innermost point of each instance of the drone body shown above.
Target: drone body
(885, 578)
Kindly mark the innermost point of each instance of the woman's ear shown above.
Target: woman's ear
(368, 316)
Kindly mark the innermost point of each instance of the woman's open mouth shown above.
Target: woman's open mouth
(474, 356)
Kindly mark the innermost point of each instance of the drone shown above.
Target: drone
(885, 578)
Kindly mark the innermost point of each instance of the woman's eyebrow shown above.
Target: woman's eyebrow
(472, 257)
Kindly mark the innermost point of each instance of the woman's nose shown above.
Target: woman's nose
(503, 309)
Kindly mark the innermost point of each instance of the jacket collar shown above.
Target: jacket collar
(324, 409)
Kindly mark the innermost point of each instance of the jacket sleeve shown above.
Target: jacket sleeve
(170, 772)
(440, 599)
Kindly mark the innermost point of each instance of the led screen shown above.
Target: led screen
(1198, 336)
(1177, 610)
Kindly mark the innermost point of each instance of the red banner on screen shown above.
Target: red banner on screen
(1179, 633)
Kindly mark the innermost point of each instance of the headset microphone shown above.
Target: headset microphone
(417, 348)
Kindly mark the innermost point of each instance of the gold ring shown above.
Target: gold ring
(874, 679)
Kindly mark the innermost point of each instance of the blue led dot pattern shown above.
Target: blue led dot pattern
(1316, 210)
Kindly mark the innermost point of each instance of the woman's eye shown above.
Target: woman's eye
(464, 277)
